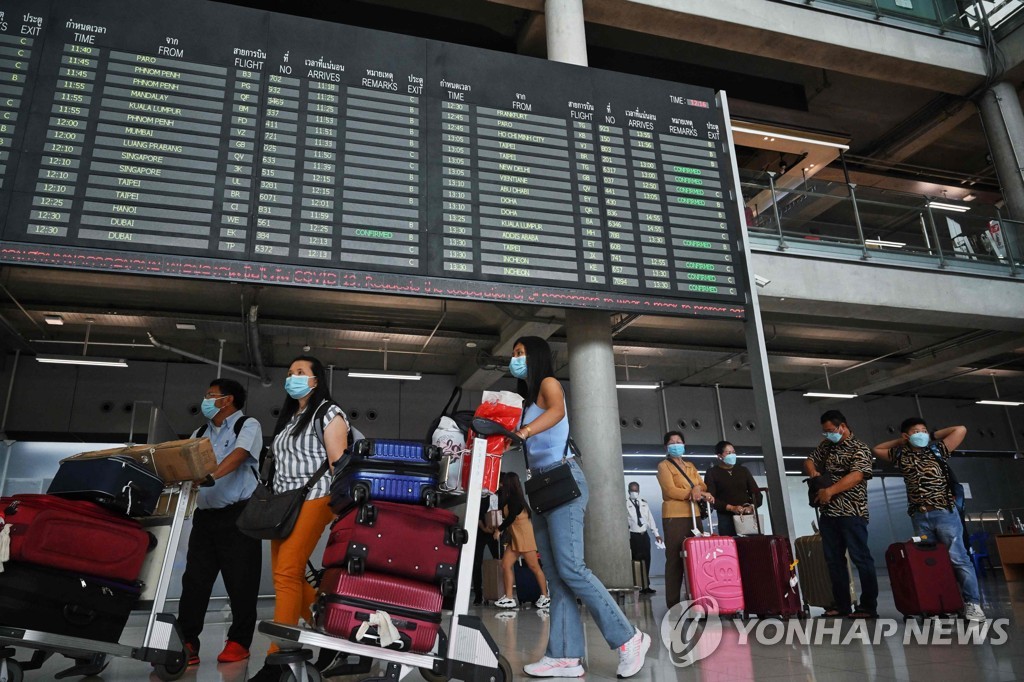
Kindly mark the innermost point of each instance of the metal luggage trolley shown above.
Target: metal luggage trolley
(162, 645)
(468, 652)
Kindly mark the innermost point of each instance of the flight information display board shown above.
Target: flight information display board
(207, 140)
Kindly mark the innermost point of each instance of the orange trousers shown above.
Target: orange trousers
(288, 557)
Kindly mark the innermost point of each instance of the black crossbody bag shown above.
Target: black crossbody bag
(556, 486)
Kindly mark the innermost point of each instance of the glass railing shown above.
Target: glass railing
(836, 219)
(962, 16)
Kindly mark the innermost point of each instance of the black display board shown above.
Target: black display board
(205, 140)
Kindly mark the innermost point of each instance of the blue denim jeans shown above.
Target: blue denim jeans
(559, 535)
(944, 525)
(839, 535)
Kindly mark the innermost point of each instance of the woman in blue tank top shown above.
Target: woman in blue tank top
(559, 532)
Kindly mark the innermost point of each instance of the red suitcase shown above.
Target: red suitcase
(713, 570)
(397, 539)
(923, 582)
(347, 601)
(768, 576)
(75, 535)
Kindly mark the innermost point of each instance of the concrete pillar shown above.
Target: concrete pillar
(1004, 128)
(594, 419)
(566, 38)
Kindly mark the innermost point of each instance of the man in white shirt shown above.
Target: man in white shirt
(641, 523)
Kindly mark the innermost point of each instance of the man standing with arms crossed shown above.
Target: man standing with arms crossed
(216, 545)
(846, 462)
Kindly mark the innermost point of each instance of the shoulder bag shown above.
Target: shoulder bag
(271, 516)
(556, 486)
(703, 504)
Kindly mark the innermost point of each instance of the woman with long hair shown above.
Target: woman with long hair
(521, 541)
(559, 531)
(298, 453)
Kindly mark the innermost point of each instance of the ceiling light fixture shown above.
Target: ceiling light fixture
(185, 326)
(640, 385)
(55, 320)
(82, 359)
(828, 393)
(956, 208)
(793, 138)
(1004, 403)
(385, 373)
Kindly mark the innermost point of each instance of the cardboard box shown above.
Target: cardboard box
(173, 461)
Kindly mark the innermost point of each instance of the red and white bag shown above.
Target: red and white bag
(505, 408)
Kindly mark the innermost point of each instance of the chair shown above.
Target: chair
(978, 543)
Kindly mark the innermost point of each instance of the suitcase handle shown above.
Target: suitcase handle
(76, 615)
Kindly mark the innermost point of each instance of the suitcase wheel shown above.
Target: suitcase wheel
(433, 453)
(361, 448)
(14, 671)
(355, 566)
(360, 492)
(430, 497)
(367, 515)
(458, 536)
(447, 587)
(153, 541)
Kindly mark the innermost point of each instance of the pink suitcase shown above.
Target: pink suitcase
(713, 570)
(397, 539)
(347, 601)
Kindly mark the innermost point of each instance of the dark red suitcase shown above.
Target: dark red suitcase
(397, 539)
(347, 601)
(768, 574)
(923, 581)
(74, 535)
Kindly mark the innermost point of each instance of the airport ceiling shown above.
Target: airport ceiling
(269, 325)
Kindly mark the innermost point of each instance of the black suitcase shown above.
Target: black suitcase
(64, 603)
(118, 482)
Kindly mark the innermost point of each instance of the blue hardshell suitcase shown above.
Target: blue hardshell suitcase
(410, 451)
(119, 483)
(361, 482)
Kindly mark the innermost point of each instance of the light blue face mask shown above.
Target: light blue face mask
(517, 367)
(919, 439)
(730, 459)
(676, 449)
(209, 407)
(297, 386)
(832, 436)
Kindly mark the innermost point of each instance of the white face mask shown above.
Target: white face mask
(634, 495)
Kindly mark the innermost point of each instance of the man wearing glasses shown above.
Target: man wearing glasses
(216, 545)
(845, 463)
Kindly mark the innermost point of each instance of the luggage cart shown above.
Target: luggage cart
(467, 652)
(162, 646)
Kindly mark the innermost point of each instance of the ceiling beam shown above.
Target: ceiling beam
(476, 379)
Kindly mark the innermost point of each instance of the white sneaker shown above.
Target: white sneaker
(505, 602)
(974, 612)
(554, 667)
(543, 602)
(632, 653)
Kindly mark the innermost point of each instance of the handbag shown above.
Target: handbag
(556, 486)
(703, 504)
(748, 524)
(271, 516)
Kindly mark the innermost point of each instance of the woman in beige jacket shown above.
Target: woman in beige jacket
(681, 486)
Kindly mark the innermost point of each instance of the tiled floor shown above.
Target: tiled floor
(522, 634)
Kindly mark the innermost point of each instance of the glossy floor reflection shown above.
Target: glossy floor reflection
(522, 634)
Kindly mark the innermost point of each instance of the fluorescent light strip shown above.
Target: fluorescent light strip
(81, 360)
(948, 207)
(1006, 403)
(834, 145)
(883, 242)
(815, 394)
(370, 374)
(649, 387)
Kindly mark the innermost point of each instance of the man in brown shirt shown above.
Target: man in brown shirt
(846, 462)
